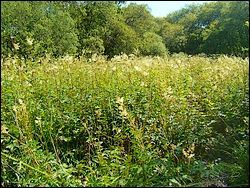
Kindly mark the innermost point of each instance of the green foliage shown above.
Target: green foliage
(173, 36)
(110, 28)
(226, 32)
(211, 28)
(152, 45)
(48, 27)
(138, 17)
(127, 121)
(120, 39)
(124, 119)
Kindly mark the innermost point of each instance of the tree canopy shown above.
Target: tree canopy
(114, 27)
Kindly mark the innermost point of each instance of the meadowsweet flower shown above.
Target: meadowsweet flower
(143, 84)
(124, 113)
(16, 46)
(41, 82)
(118, 130)
(38, 120)
(136, 51)
(116, 58)
(124, 57)
(192, 147)
(214, 87)
(114, 68)
(138, 68)
(131, 56)
(169, 90)
(120, 108)
(119, 100)
(145, 73)
(94, 57)
(20, 101)
(11, 78)
(29, 41)
(189, 153)
(172, 146)
(4, 130)
(68, 58)
(15, 108)
(147, 64)
(98, 113)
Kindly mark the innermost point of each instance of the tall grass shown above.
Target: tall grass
(129, 121)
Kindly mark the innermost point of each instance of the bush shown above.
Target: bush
(125, 122)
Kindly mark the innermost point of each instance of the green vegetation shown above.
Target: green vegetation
(113, 27)
(78, 110)
(128, 121)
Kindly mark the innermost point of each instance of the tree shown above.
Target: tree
(173, 36)
(226, 33)
(183, 30)
(93, 25)
(121, 38)
(64, 35)
(152, 45)
(16, 24)
(215, 27)
(139, 18)
(38, 28)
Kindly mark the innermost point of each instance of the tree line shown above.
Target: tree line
(32, 29)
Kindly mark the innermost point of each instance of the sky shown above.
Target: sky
(163, 8)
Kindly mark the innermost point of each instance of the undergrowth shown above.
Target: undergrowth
(128, 121)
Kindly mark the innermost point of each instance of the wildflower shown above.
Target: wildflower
(29, 41)
(145, 73)
(131, 56)
(137, 68)
(124, 57)
(172, 146)
(98, 113)
(38, 121)
(68, 58)
(4, 130)
(190, 151)
(94, 57)
(136, 51)
(16, 46)
(247, 23)
(20, 101)
(116, 58)
(15, 108)
(119, 100)
(169, 90)
(11, 78)
(143, 84)
(120, 108)
(147, 64)
(124, 113)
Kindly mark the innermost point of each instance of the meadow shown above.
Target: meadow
(128, 121)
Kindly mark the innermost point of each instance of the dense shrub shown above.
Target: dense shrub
(130, 121)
